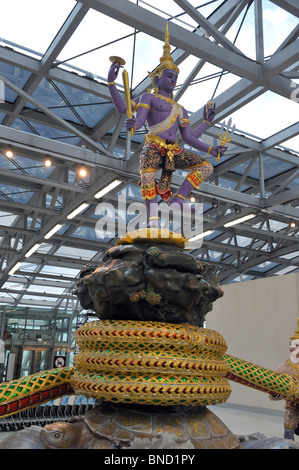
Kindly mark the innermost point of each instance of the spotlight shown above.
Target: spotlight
(237, 209)
(292, 223)
(82, 172)
(215, 204)
(192, 199)
(47, 163)
(9, 153)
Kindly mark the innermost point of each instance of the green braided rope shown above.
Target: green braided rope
(30, 391)
(260, 378)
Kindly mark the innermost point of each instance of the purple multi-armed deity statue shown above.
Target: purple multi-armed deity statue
(165, 117)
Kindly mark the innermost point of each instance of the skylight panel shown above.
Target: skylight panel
(35, 23)
(7, 218)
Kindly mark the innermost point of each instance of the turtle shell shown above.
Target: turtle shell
(124, 426)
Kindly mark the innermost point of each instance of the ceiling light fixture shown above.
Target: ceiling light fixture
(201, 235)
(32, 250)
(9, 153)
(237, 209)
(15, 268)
(192, 199)
(292, 223)
(82, 172)
(215, 204)
(52, 231)
(47, 163)
(239, 220)
(107, 189)
(77, 211)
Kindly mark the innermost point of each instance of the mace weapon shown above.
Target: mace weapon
(120, 61)
(227, 137)
(127, 95)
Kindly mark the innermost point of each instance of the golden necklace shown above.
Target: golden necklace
(169, 100)
(294, 367)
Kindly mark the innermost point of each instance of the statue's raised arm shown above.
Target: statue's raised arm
(119, 104)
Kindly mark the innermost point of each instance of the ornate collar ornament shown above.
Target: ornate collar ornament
(166, 61)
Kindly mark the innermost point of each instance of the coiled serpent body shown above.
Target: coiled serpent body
(146, 363)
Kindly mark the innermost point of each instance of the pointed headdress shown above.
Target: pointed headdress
(166, 61)
(295, 335)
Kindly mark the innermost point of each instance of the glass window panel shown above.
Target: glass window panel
(34, 23)
(60, 271)
(57, 96)
(15, 194)
(286, 270)
(214, 255)
(45, 289)
(97, 30)
(293, 184)
(14, 74)
(243, 277)
(85, 232)
(243, 241)
(28, 267)
(272, 167)
(263, 267)
(75, 252)
(7, 219)
(292, 255)
(53, 133)
(22, 125)
(130, 191)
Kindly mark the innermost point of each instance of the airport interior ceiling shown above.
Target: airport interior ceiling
(72, 161)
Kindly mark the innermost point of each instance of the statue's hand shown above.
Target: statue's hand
(276, 396)
(209, 113)
(218, 149)
(113, 71)
(130, 124)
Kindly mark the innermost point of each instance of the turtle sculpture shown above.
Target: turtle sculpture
(109, 426)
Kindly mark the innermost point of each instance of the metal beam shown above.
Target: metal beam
(289, 5)
(153, 25)
(66, 31)
(281, 136)
(207, 26)
(54, 116)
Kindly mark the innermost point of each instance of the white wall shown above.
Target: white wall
(257, 319)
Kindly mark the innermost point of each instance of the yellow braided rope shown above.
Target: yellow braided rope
(149, 363)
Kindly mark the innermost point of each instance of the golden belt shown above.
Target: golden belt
(170, 149)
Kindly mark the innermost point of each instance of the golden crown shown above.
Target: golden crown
(296, 332)
(166, 61)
